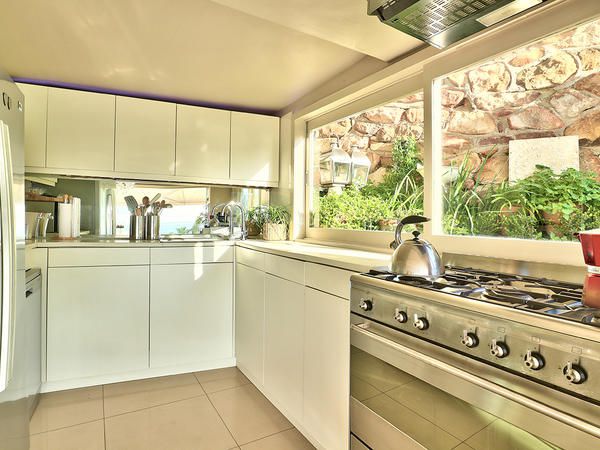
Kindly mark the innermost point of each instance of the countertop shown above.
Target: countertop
(341, 257)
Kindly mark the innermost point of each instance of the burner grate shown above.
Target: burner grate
(539, 295)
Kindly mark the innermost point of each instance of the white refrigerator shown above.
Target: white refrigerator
(16, 388)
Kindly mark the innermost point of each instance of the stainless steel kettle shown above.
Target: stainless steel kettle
(415, 257)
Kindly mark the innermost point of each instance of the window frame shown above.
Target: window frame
(554, 18)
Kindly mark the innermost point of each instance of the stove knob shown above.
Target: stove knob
(469, 339)
(366, 304)
(401, 316)
(574, 373)
(499, 349)
(420, 323)
(534, 361)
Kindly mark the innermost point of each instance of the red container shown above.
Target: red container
(590, 244)
(591, 291)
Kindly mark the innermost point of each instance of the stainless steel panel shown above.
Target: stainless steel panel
(454, 386)
(448, 324)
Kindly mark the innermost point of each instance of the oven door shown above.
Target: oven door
(406, 395)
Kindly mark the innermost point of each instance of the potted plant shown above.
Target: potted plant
(256, 219)
(276, 223)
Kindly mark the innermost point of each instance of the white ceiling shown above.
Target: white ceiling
(343, 22)
(247, 54)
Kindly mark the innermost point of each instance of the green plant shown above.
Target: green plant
(563, 193)
(277, 215)
(521, 224)
(352, 210)
(258, 216)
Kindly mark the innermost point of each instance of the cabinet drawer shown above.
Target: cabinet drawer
(191, 255)
(250, 258)
(82, 257)
(286, 268)
(328, 279)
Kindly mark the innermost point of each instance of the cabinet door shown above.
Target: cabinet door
(191, 314)
(36, 104)
(81, 130)
(145, 136)
(203, 137)
(97, 321)
(250, 320)
(284, 343)
(327, 368)
(254, 148)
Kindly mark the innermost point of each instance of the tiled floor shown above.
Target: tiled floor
(212, 410)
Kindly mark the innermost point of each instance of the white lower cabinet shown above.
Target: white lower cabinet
(326, 368)
(191, 314)
(97, 321)
(250, 321)
(284, 330)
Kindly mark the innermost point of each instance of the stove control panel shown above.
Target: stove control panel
(566, 361)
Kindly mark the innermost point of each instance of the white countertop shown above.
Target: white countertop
(341, 257)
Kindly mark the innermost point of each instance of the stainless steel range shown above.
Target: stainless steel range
(475, 357)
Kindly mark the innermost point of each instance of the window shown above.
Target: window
(521, 140)
(367, 169)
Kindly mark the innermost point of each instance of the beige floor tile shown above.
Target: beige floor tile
(87, 436)
(457, 417)
(248, 414)
(221, 379)
(286, 440)
(415, 426)
(131, 396)
(462, 446)
(501, 435)
(67, 408)
(217, 374)
(190, 424)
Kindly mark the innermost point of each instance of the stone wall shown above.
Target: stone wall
(550, 88)
(374, 131)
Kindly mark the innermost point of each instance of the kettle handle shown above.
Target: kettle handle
(408, 220)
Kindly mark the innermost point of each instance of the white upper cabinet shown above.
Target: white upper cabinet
(81, 130)
(145, 136)
(203, 138)
(36, 104)
(254, 148)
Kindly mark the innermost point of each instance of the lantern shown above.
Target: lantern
(361, 165)
(335, 167)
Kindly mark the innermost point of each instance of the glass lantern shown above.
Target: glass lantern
(335, 167)
(361, 164)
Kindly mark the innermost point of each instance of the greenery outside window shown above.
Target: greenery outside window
(520, 140)
(385, 146)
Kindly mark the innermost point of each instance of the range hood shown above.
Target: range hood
(444, 22)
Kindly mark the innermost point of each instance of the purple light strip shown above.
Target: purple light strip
(135, 94)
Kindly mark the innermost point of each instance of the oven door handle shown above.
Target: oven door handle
(483, 383)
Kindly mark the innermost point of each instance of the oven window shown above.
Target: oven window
(427, 415)
(520, 140)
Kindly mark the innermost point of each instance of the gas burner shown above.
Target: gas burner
(538, 295)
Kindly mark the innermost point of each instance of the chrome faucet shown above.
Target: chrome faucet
(229, 207)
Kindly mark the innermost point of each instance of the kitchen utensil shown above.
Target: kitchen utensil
(415, 257)
(136, 227)
(132, 203)
(155, 198)
(152, 227)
